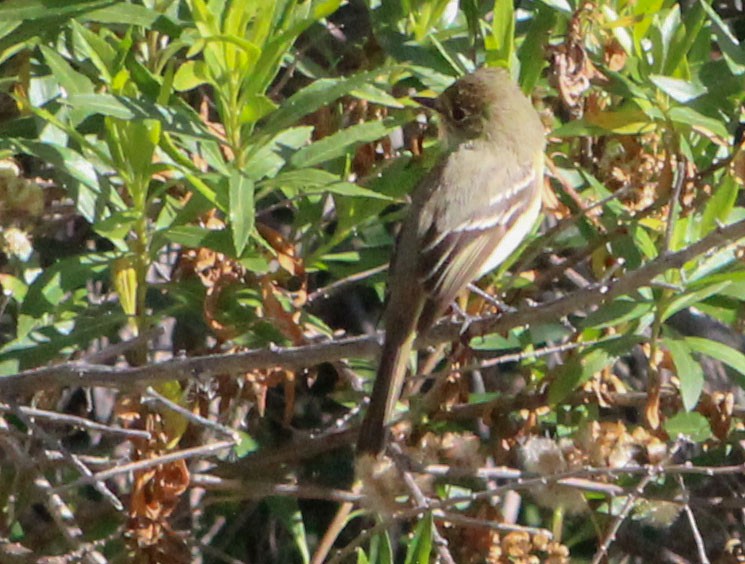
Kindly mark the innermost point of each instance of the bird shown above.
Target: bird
(467, 215)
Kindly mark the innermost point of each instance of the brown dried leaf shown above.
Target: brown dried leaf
(286, 254)
(572, 68)
(718, 408)
(614, 55)
(471, 544)
(222, 280)
(286, 322)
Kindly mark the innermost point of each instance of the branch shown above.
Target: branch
(205, 367)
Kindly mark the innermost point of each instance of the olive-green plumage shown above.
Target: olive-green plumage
(467, 215)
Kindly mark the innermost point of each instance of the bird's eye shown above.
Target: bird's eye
(458, 114)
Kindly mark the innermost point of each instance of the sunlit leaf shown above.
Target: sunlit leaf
(692, 425)
(719, 351)
(341, 142)
(241, 209)
(689, 372)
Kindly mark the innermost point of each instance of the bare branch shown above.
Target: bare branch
(78, 374)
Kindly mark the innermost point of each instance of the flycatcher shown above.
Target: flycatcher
(467, 215)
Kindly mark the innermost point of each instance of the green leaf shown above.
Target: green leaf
(720, 205)
(719, 351)
(190, 75)
(266, 160)
(72, 81)
(247, 445)
(289, 514)
(727, 42)
(99, 51)
(69, 163)
(122, 107)
(381, 551)
(255, 107)
(42, 343)
(420, 547)
(131, 14)
(578, 128)
(542, 333)
(297, 181)
(321, 92)
(137, 140)
(14, 287)
(341, 142)
(117, 226)
(25, 10)
(195, 237)
(532, 50)
(49, 289)
(241, 194)
(576, 371)
(691, 298)
(352, 190)
(692, 425)
(628, 120)
(500, 44)
(373, 94)
(688, 116)
(681, 91)
(689, 371)
(619, 311)
(496, 342)
(687, 34)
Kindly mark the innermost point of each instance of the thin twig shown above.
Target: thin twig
(351, 280)
(536, 399)
(153, 396)
(698, 539)
(77, 374)
(673, 207)
(54, 443)
(421, 500)
(343, 554)
(610, 535)
(465, 521)
(61, 514)
(185, 454)
(700, 547)
(74, 421)
(332, 533)
(252, 489)
(117, 349)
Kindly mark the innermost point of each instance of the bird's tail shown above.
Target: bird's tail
(387, 388)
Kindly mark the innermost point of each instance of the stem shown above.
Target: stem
(140, 248)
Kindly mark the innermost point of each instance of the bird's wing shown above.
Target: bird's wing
(482, 237)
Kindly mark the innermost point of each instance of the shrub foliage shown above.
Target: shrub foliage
(198, 201)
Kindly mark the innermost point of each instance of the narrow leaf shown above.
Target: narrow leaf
(321, 92)
(681, 91)
(689, 371)
(726, 354)
(341, 142)
(24, 10)
(500, 45)
(720, 205)
(241, 190)
(122, 107)
(71, 80)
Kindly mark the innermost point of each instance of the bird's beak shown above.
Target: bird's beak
(429, 103)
